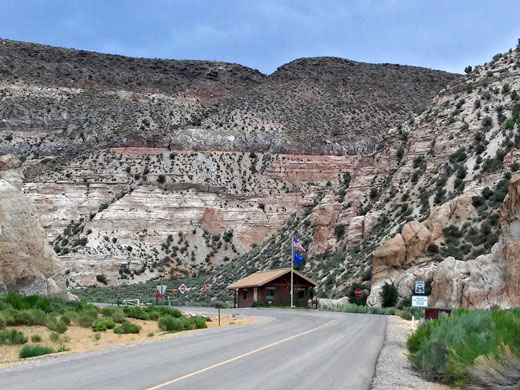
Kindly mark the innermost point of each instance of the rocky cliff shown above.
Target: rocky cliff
(429, 205)
(144, 168)
(458, 157)
(27, 262)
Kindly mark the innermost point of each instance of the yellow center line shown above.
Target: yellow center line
(237, 357)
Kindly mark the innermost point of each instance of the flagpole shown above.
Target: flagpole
(292, 269)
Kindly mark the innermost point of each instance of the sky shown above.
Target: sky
(265, 34)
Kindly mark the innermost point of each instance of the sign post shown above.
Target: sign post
(218, 305)
(183, 288)
(358, 292)
(207, 287)
(420, 289)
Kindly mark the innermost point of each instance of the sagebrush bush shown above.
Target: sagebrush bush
(154, 315)
(39, 317)
(136, 312)
(169, 323)
(57, 326)
(36, 338)
(114, 312)
(12, 337)
(86, 319)
(66, 318)
(200, 323)
(127, 327)
(102, 324)
(166, 310)
(54, 337)
(447, 348)
(34, 350)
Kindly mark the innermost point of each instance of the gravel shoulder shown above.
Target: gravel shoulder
(393, 371)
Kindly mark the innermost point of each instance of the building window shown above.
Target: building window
(269, 293)
(301, 293)
(244, 293)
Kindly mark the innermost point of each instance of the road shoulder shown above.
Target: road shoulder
(393, 371)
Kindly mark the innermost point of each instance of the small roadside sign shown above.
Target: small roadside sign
(207, 287)
(419, 287)
(358, 292)
(419, 301)
(183, 288)
(161, 290)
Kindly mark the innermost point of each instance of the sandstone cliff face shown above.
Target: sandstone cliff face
(27, 262)
(192, 212)
(490, 279)
(456, 160)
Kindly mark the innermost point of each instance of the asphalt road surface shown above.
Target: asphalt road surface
(287, 349)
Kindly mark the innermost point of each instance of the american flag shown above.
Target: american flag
(297, 245)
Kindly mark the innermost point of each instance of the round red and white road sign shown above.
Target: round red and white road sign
(358, 292)
(207, 287)
(182, 288)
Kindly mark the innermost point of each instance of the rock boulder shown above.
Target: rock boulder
(27, 263)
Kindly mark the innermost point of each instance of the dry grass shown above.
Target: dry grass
(83, 339)
(497, 373)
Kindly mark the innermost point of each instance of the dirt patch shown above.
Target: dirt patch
(84, 339)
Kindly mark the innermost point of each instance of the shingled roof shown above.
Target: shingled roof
(262, 277)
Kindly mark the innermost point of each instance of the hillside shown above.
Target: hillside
(431, 212)
(144, 169)
(58, 101)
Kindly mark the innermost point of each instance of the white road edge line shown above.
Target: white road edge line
(237, 357)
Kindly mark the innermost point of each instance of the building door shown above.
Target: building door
(255, 294)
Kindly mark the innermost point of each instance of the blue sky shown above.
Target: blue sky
(264, 34)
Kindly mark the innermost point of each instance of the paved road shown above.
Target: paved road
(288, 349)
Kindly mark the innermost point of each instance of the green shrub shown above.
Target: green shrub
(57, 326)
(39, 316)
(3, 320)
(260, 304)
(107, 311)
(169, 323)
(102, 324)
(36, 338)
(390, 295)
(200, 323)
(166, 310)
(21, 317)
(352, 308)
(54, 337)
(127, 327)
(446, 349)
(187, 323)
(136, 312)
(422, 333)
(154, 315)
(12, 337)
(433, 248)
(119, 316)
(86, 319)
(34, 350)
(405, 315)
